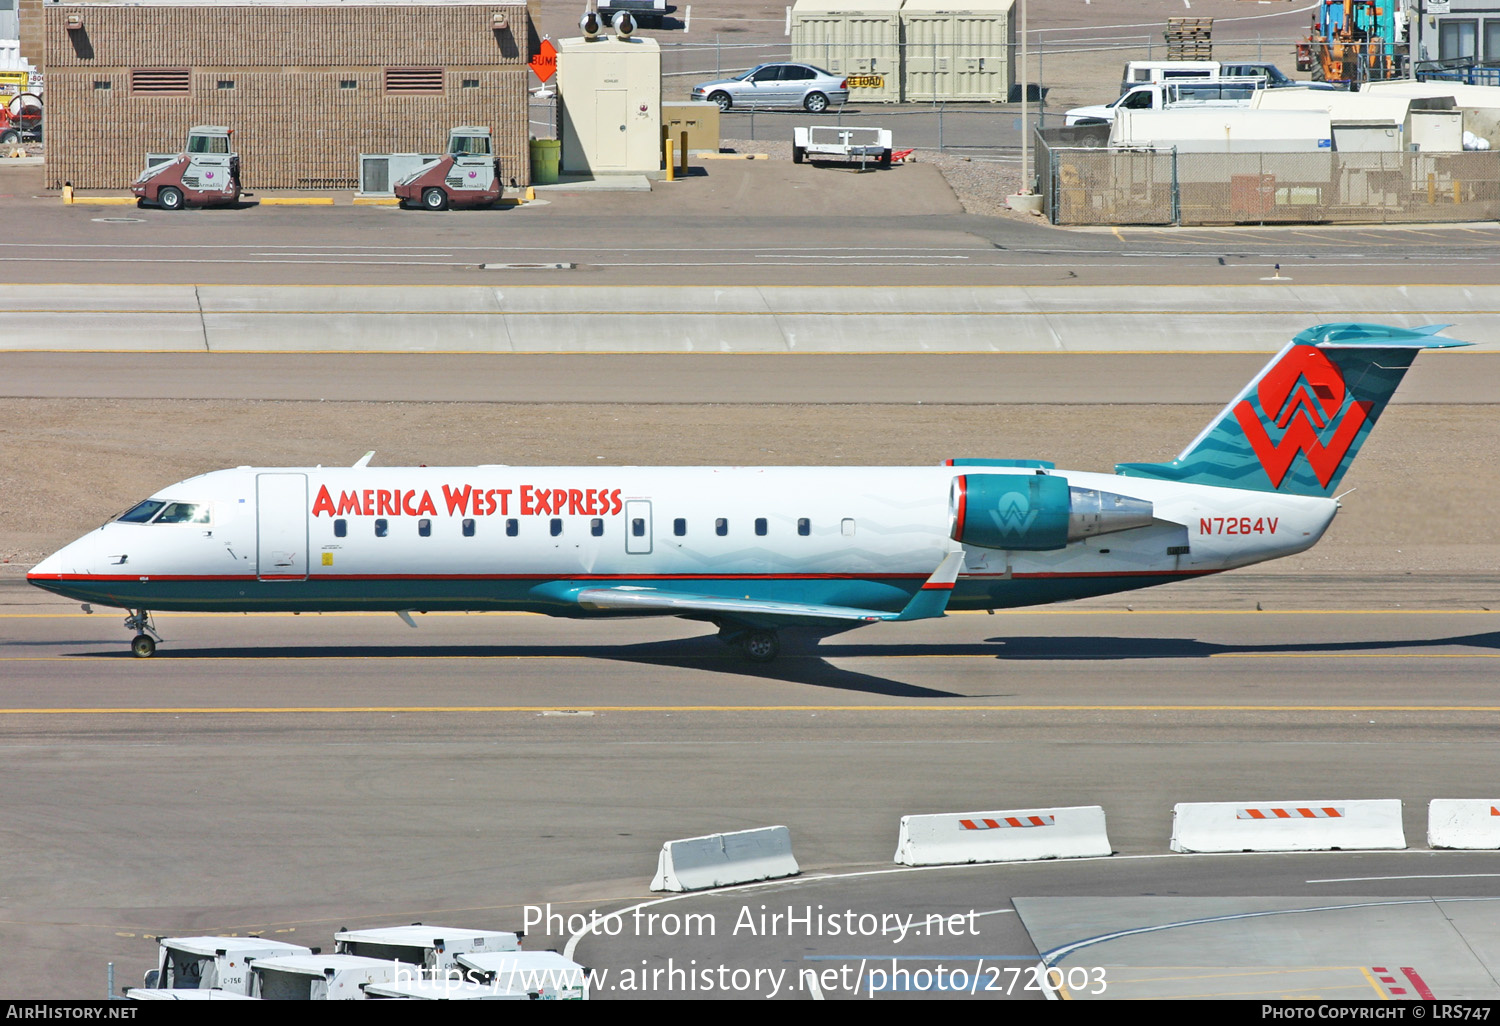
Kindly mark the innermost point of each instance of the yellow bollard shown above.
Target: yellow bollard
(1431, 188)
(1457, 192)
(670, 168)
(67, 192)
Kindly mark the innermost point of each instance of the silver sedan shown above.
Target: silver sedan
(777, 85)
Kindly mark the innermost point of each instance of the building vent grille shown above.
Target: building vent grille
(414, 80)
(160, 81)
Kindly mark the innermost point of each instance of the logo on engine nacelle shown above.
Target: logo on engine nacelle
(1013, 515)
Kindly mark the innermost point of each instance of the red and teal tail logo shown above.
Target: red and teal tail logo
(1298, 425)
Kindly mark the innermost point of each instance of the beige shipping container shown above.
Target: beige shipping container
(959, 50)
(859, 39)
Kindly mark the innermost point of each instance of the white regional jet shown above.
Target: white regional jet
(755, 549)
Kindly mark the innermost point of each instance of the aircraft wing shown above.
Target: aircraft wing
(931, 600)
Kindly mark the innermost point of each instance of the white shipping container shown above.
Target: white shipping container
(1223, 130)
(960, 50)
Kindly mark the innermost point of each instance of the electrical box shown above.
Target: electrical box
(609, 105)
(699, 120)
(1437, 131)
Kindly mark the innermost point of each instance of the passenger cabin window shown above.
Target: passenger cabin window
(679, 527)
(468, 527)
(424, 528)
(596, 527)
(638, 527)
(382, 528)
(184, 513)
(512, 527)
(556, 526)
(847, 527)
(721, 527)
(341, 528)
(804, 527)
(760, 526)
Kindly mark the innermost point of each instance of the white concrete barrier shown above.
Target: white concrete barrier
(1463, 823)
(719, 860)
(1014, 835)
(1287, 826)
(707, 319)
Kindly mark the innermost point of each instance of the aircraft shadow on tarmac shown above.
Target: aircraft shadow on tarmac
(803, 663)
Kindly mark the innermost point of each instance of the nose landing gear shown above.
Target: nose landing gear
(143, 645)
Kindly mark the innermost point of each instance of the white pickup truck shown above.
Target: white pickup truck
(1221, 92)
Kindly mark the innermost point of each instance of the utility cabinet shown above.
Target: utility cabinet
(609, 105)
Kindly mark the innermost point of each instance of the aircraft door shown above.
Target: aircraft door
(281, 527)
(638, 526)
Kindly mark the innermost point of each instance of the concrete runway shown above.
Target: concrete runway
(296, 774)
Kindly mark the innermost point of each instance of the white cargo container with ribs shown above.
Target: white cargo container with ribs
(1223, 130)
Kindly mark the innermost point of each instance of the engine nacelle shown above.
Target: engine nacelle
(1035, 512)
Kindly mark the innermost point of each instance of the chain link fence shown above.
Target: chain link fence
(1095, 186)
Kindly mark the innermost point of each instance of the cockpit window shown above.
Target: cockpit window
(142, 512)
(184, 513)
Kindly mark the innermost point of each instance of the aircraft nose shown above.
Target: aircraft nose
(74, 558)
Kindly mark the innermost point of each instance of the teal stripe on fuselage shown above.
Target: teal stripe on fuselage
(543, 596)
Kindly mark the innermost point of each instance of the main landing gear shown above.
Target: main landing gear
(755, 645)
(143, 645)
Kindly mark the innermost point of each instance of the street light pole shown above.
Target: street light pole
(1025, 200)
(1025, 109)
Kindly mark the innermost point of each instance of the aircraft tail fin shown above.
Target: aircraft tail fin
(1297, 426)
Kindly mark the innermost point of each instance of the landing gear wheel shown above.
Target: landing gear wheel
(760, 646)
(143, 645)
(722, 99)
(815, 103)
(434, 199)
(170, 198)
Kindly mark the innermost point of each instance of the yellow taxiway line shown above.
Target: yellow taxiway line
(556, 710)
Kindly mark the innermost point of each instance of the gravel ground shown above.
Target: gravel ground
(980, 185)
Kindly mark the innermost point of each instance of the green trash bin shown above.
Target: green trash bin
(544, 158)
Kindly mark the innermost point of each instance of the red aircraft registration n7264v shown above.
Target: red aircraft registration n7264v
(754, 550)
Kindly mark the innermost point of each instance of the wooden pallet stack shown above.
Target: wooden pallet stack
(1190, 39)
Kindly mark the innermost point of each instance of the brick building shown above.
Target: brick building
(307, 87)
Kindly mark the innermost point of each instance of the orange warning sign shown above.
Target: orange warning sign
(545, 62)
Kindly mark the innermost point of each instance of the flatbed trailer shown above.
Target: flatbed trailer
(844, 143)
